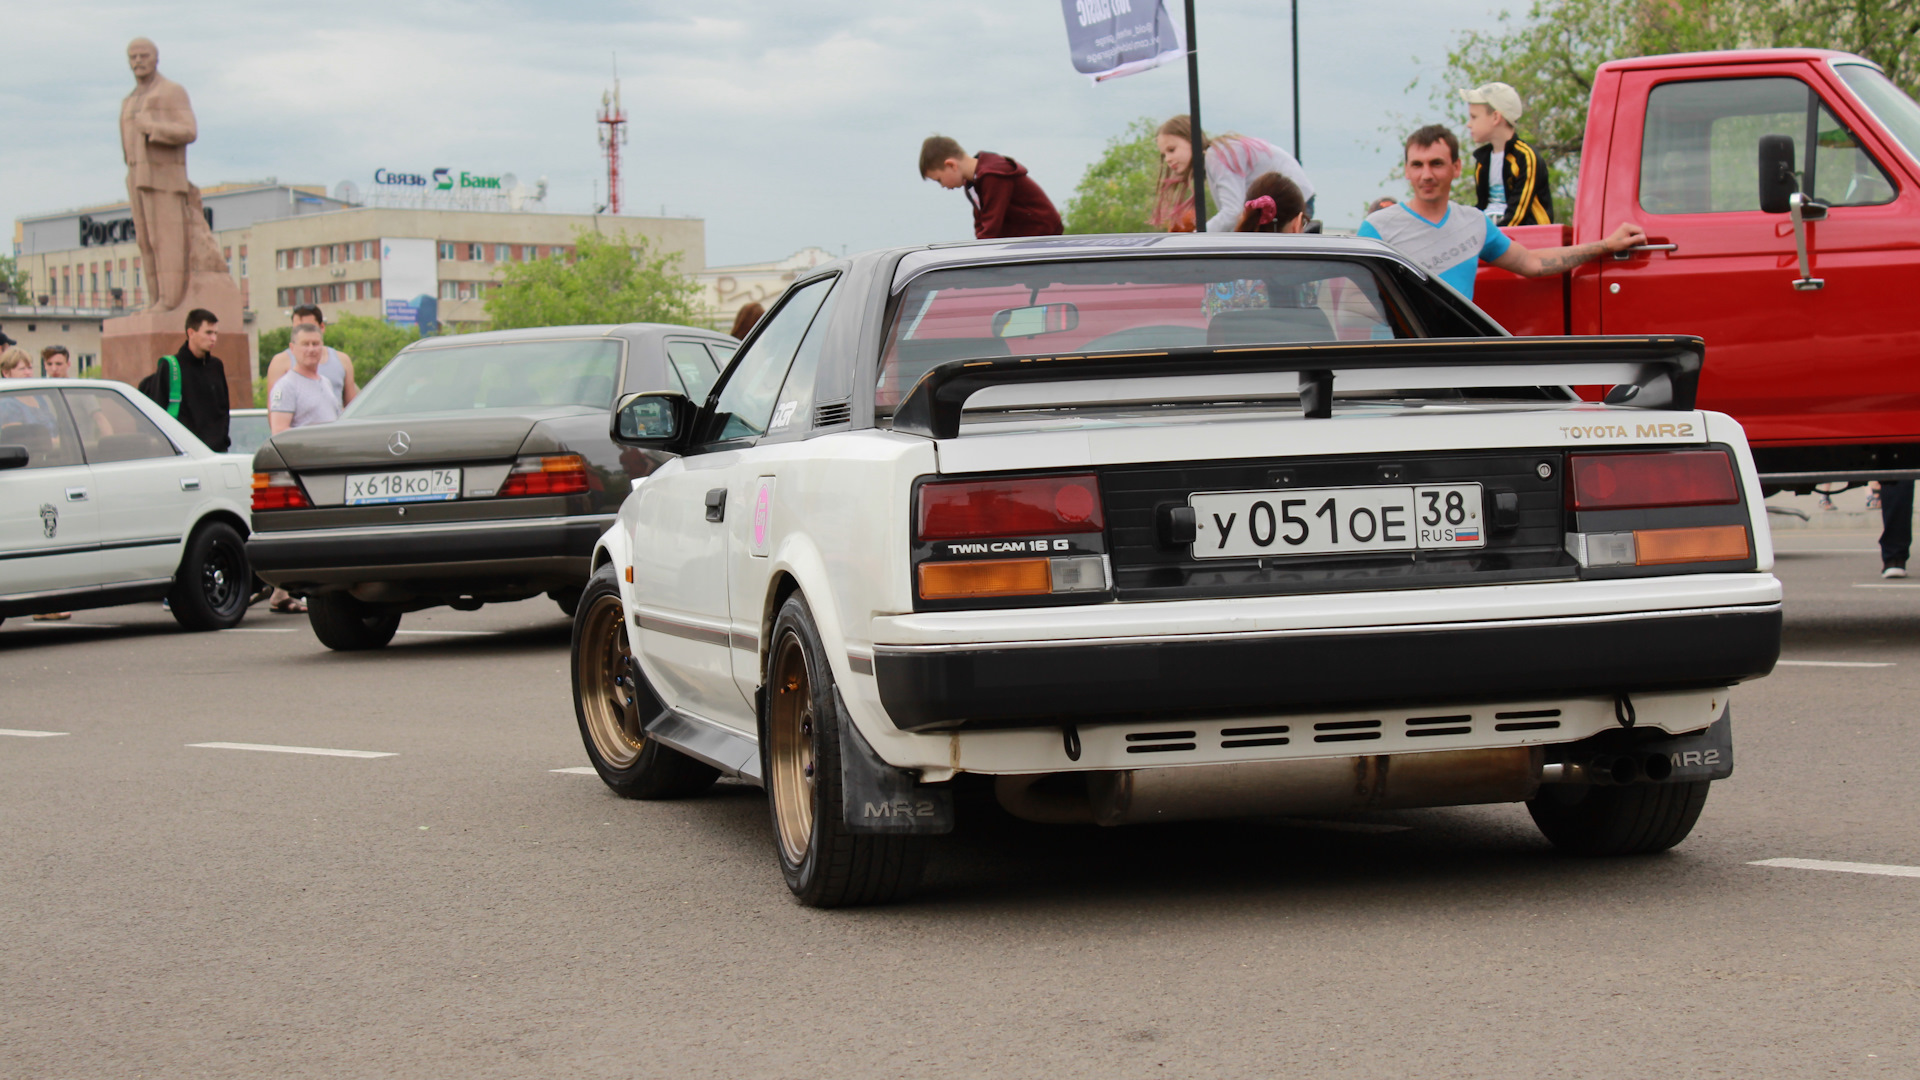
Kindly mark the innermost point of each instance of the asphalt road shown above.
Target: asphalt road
(462, 909)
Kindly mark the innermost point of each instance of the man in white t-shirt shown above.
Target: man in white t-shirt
(335, 366)
(301, 397)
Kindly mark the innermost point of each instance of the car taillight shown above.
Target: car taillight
(278, 491)
(1024, 506)
(1641, 481)
(556, 474)
(1660, 547)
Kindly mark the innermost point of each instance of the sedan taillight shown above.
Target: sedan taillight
(553, 474)
(278, 491)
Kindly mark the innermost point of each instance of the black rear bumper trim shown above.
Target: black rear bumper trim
(284, 555)
(1002, 687)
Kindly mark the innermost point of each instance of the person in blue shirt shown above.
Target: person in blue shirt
(1450, 241)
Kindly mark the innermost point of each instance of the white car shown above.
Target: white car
(105, 500)
(1143, 529)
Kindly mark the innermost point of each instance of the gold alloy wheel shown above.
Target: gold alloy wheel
(790, 747)
(606, 685)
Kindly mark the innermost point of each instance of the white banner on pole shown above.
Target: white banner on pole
(409, 270)
(1112, 38)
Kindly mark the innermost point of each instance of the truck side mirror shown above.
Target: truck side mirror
(1777, 182)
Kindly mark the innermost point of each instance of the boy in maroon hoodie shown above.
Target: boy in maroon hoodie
(1006, 201)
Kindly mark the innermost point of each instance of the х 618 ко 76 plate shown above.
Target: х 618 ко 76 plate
(1325, 521)
(421, 485)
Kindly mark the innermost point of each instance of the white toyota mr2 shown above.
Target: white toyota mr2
(1157, 528)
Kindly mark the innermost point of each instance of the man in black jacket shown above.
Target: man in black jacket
(192, 383)
(1512, 185)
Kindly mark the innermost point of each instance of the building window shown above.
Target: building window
(366, 249)
(280, 260)
(333, 253)
(446, 252)
(476, 252)
(556, 253)
(447, 290)
(313, 255)
(502, 253)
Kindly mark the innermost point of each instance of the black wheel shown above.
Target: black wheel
(613, 703)
(210, 588)
(1633, 820)
(825, 865)
(568, 599)
(347, 624)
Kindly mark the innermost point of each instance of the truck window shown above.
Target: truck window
(1700, 151)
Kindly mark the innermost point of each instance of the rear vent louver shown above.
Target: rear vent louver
(833, 412)
(1159, 742)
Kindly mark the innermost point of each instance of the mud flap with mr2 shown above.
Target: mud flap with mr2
(876, 797)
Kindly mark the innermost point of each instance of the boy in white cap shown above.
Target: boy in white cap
(1512, 185)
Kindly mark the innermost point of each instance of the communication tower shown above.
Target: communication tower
(613, 135)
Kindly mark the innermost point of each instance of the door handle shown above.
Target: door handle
(189, 483)
(1623, 256)
(76, 494)
(717, 504)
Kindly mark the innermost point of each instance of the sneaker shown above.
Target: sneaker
(1826, 502)
(1893, 570)
(1873, 500)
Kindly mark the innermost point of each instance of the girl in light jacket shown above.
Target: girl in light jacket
(1232, 162)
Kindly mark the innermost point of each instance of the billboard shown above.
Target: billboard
(409, 273)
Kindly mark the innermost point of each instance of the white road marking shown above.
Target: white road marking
(322, 751)
(452, 633)
(577, 770)
(1883, 585)
(29, 734)
(1883, 869)
(1830, 663)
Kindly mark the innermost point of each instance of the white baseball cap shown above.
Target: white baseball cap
(1497, 96)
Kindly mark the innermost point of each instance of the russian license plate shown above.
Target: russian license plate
(1331, 521)
(419, 485)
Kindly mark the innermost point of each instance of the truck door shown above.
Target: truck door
(1829, 364)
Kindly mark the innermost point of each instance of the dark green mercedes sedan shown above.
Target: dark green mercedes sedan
(473, 469)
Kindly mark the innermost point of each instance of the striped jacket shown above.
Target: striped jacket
(1529, 184)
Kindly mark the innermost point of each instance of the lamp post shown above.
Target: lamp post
(1198, 156)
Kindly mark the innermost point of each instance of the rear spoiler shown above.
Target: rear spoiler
(1644, 372)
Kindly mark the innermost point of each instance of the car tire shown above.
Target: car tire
(825, 865)
(345, 623)
(1637, 819)
(210, 588)
(613, 702)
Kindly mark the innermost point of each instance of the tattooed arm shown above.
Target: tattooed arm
(1548, 261)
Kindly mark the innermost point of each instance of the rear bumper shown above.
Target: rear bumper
(1027, 684)
(524, 547)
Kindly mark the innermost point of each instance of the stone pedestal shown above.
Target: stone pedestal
(131, 346)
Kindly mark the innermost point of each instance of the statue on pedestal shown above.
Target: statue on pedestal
(179, 256)
(169, 223)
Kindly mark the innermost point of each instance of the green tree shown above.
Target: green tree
(1116, 193)
(612, 279)
(1551, 55)
(13, 281)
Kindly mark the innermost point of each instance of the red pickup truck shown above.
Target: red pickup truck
(1780, 192)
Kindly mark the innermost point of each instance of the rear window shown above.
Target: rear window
(1039, 309)
(508, 375)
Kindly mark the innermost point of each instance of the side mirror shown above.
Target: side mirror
(13, 457)
(1777, 182)
(654, 420)
(1039, 319)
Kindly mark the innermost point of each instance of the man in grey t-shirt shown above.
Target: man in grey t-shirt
(302, 397)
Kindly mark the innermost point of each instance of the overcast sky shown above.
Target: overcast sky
(783, 125)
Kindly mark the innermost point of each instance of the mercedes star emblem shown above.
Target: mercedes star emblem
(398, 443)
